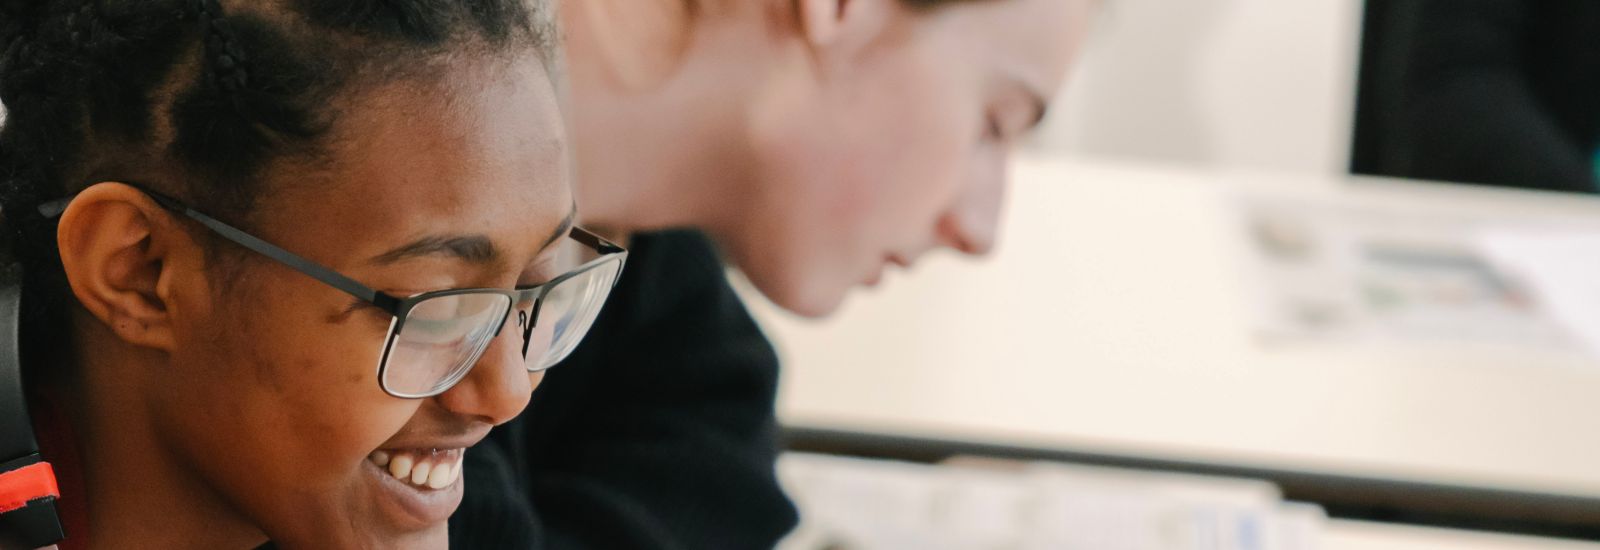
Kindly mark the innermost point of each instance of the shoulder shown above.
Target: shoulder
(669, 271)
(680, 248)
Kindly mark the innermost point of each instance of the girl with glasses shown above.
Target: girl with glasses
(284, 263)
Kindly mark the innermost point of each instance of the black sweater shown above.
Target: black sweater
(1502, 92)
(658, 432)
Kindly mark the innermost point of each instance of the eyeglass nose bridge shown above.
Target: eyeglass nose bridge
(523, 317)
(528, 321)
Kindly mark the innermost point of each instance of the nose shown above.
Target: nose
(499, 385)
(971, 225)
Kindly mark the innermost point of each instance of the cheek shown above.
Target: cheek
(900, 126)
(916, 133)
(861, 170)
(277, 404)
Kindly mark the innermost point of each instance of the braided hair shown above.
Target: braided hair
(204, 92)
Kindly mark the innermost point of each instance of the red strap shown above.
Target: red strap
(26, 484)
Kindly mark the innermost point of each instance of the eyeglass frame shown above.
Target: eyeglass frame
(397, 307)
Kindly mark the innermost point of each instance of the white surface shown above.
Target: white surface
(1223, 83)
(1357, 535)
(1113, 318)
(1566, 266)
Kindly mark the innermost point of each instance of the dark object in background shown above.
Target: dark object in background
(28, 490)
(1502, 92)
(658, 433)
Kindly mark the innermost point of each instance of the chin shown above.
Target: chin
(784, 280)
(433, 538)
(806, 300)
(813, 310)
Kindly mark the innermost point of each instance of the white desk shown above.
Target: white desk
(1360, 535)
(1113, 317)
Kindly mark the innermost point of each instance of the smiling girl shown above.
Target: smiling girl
(285, 261)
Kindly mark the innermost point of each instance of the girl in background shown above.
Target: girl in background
(810, 143)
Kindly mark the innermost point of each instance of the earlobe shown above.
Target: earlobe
(822, 20)
(846, 26)
(638, 44)
(114, 244)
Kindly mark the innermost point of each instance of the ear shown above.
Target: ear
(831, 24)
(117, 248)
(637, 44)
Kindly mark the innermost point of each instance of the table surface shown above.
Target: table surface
(1114, 317)
(1361, 535)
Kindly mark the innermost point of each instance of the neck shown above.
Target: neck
(138, 494)
(662, 139)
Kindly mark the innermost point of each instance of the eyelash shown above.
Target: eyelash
(367, 310)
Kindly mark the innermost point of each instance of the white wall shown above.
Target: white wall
(1233, 83)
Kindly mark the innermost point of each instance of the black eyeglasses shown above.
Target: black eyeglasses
(436, 337)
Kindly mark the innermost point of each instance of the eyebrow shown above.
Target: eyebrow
(563, 228)
(477, 249)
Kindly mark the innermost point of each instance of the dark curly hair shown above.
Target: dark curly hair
(202, 93)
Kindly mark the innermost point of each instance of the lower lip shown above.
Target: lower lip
(411, 506)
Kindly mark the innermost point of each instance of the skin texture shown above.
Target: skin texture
(817, 141)
(234, 400)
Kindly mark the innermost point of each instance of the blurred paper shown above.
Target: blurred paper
(1349, 275)
(1562, 269)
(858, 504)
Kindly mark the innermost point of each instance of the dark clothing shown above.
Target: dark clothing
(1502, 92)
(658, 432)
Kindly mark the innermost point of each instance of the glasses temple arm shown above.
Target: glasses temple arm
(53, 209)
(592, 240)
(308, 267)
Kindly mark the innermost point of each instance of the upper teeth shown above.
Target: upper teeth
(434, 469)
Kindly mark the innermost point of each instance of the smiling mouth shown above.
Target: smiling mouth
(427, 469)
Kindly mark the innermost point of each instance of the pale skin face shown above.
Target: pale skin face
(865, 133)
(902, 145)
(232, 416)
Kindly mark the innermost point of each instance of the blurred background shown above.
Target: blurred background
(1313, 274)
(1215, 83)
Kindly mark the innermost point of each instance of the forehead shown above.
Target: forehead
(1029, 40)
(477, 146)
